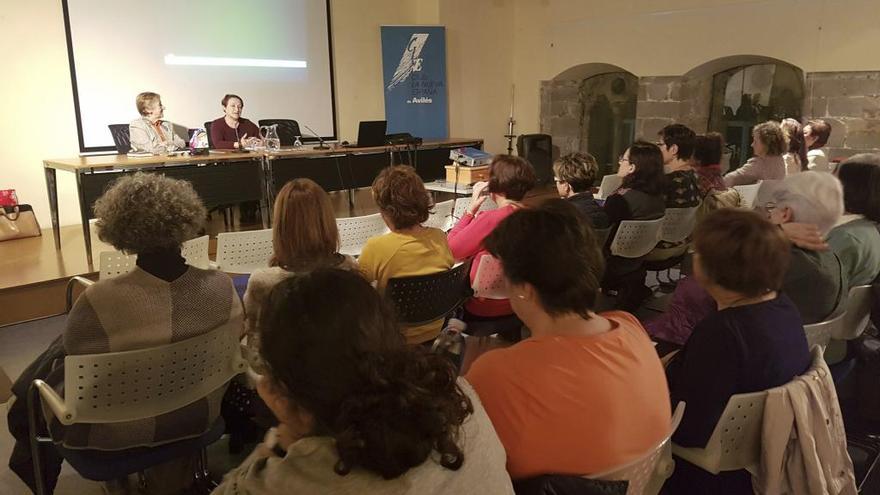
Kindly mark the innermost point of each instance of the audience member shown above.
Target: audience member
(816, 134)
(409, 249)
(575, 174)
(707, 163)
(161, 301)
(585, 392)
(680, 182)
(232, 131)
(359, 412)
(304, 237)
(150, 133)
(855, 238)
(795, 156)
(510, 178)
(768, 144)
(815, 280)
(754, 341)
(640, 197)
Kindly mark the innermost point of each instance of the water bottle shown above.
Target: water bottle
(450, 342)
(297, 143)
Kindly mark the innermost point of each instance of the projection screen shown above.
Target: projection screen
(275, 54)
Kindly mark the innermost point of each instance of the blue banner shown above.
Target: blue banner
(414, 70)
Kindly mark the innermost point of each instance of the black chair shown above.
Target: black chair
(208, 132)
(288, 129)
(422, 299)
(121, 137)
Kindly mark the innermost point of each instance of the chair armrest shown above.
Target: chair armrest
(55, 402)
(69, 290)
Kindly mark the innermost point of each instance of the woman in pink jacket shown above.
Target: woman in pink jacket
(510, 178)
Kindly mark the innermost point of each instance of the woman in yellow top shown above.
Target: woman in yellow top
(409, 249)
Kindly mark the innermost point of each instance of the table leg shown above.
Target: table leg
(84, 217)
(52, 190)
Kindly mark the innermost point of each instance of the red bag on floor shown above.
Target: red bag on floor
(8, 197)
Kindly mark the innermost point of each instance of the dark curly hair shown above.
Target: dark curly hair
(401, 196)
(679, 135)
(648, 175)
(565, 267)
(145, 212)
(342, 358)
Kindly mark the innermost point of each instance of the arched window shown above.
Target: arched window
(591, 108)
(745, 95)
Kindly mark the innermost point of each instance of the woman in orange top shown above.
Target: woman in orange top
(586, 392)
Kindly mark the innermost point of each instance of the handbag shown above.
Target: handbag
(17, 222)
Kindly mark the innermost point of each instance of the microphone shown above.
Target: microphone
(321, 145)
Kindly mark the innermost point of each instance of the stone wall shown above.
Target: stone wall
(850, 102)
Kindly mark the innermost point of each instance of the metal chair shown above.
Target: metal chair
(244, 252)
(355, 231)
(440, 216)
(636, 238)
(422, 299)
(134, 385)
(748, 194)
(855, 320)
(288, 129)
(609, 184)
(195, 252)
(461, 205)
(820, 333)
(678, 224)
(115, 263)
(208, 132)
(646, 475)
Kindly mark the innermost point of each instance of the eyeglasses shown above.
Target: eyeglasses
(769, 206)
(623, 159)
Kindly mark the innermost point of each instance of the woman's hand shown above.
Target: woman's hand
(478, 197)
(243, 142)
(805, 236)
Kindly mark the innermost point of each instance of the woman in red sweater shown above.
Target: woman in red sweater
(232, 131)
(510, 178)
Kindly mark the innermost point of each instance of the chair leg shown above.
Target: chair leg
(36, 455)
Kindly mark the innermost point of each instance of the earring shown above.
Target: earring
(520, 296)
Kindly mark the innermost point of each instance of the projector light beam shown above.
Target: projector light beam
(172, 59)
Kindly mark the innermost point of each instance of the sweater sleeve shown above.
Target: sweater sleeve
(466, 238)
(704, 376)
(747, 174)
(139, 138)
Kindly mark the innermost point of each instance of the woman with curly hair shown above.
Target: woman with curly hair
(768, 144)
(410, 248)
(161, 301)
(359, 412)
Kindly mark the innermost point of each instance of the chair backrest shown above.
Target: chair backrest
(425, 298)
(208, 132)
(489, 280)
(736, 440)
(121, 137)
(355, 231)
(145, 383)
(747, 195)
(647, 474)
(609, 184)
(288, 129)
(461, 205)
(244, 252)
(440, 215)
(678, 224)
(857, 314)
(636, 238)
(195, 252)
(115, 263)
(821, 333)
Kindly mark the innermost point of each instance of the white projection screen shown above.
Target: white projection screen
(275, 54)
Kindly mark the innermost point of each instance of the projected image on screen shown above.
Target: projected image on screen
(274, 53)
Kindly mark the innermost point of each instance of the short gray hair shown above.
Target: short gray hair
(813, 197)
(147, 212)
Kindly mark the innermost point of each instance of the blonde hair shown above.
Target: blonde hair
(578, 169)
(304, 232)
(144, 99)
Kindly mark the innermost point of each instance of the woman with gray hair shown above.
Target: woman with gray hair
(161, 301)
(816, 280)
(768, 143)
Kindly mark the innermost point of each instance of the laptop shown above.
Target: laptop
(370, 133)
